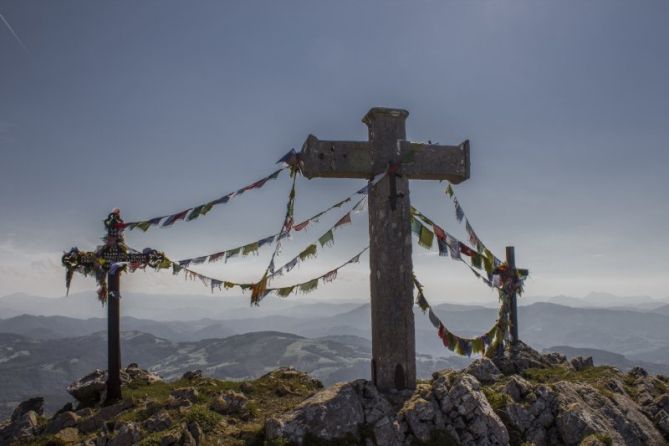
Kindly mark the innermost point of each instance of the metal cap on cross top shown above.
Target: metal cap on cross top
(387, 150)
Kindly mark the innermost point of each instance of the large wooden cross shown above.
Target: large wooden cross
(110, 259)
(393, 335)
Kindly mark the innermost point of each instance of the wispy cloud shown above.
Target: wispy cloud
(16, 36)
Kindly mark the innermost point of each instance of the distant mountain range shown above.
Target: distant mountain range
(191, 308)
(331, 340)
(639, 335)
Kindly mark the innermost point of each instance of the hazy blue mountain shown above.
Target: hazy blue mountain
(627, 332)
(165, 307)
(52, 327)
(664, 309)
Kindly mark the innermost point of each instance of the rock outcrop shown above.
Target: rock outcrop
(550, 401)
(91, 389)
(450, 406)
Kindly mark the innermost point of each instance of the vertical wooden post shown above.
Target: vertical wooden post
(393, 333)
(511, 261)
(114, 337)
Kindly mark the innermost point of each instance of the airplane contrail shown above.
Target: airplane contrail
(16, 36)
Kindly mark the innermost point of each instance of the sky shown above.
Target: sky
(156, 106)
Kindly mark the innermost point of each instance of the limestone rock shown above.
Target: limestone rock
(469, 403)
(231, 403)
(33, 404)
(90, 389)
(580, 363)
(520, 357)
(61, 421)
(23, 428)
(569, 413)
(169, 439)
(192, 374)
(158, 422)
(136, 375)
(517, 388)
(554, 358)
(484, 370)
(187, 439)
(329, 414)
(69, 435)
(196, 432)
(97, 420)
(128, 434)
(185, 393)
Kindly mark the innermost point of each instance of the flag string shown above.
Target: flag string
(460, 217)
(325, 240)
(253, 247)
(190, 214)
(487, 344)
(285, 291)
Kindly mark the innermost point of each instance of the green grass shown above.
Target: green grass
(497, 400)
(551, 375)
(207, 419)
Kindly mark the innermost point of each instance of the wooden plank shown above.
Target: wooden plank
(435, 162)
(336, 159)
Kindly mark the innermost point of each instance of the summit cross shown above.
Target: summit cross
(391, 269)
(110, 260)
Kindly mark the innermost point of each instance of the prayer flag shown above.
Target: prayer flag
(327, 239)
(425, 238)
(175, 217)
(308, 287)
(346, 219)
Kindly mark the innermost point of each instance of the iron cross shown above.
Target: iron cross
(106, 263)
(391, 278)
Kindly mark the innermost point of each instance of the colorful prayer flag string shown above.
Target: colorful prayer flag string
(485, 344)
(325, 240)
(290, 160)
(250, 248)
(303, 287)
(460, 216)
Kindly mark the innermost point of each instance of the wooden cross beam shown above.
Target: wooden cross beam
(391, 279)
(108, 260)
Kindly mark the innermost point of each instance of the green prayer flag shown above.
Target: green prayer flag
(206, 208)
(459, 347)
(232, 252)
(449, 191)
(327, 238)
(250, 248)
(144, 225)
(452, 341)
(195, 213)
(477, 261)
(425, 238)
(285, 292)
(478, 345)
(309, 286)
(489, 261)
(310, 251)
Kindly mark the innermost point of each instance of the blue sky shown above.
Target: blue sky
(155, 106)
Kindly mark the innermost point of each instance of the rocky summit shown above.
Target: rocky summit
(522, 398)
